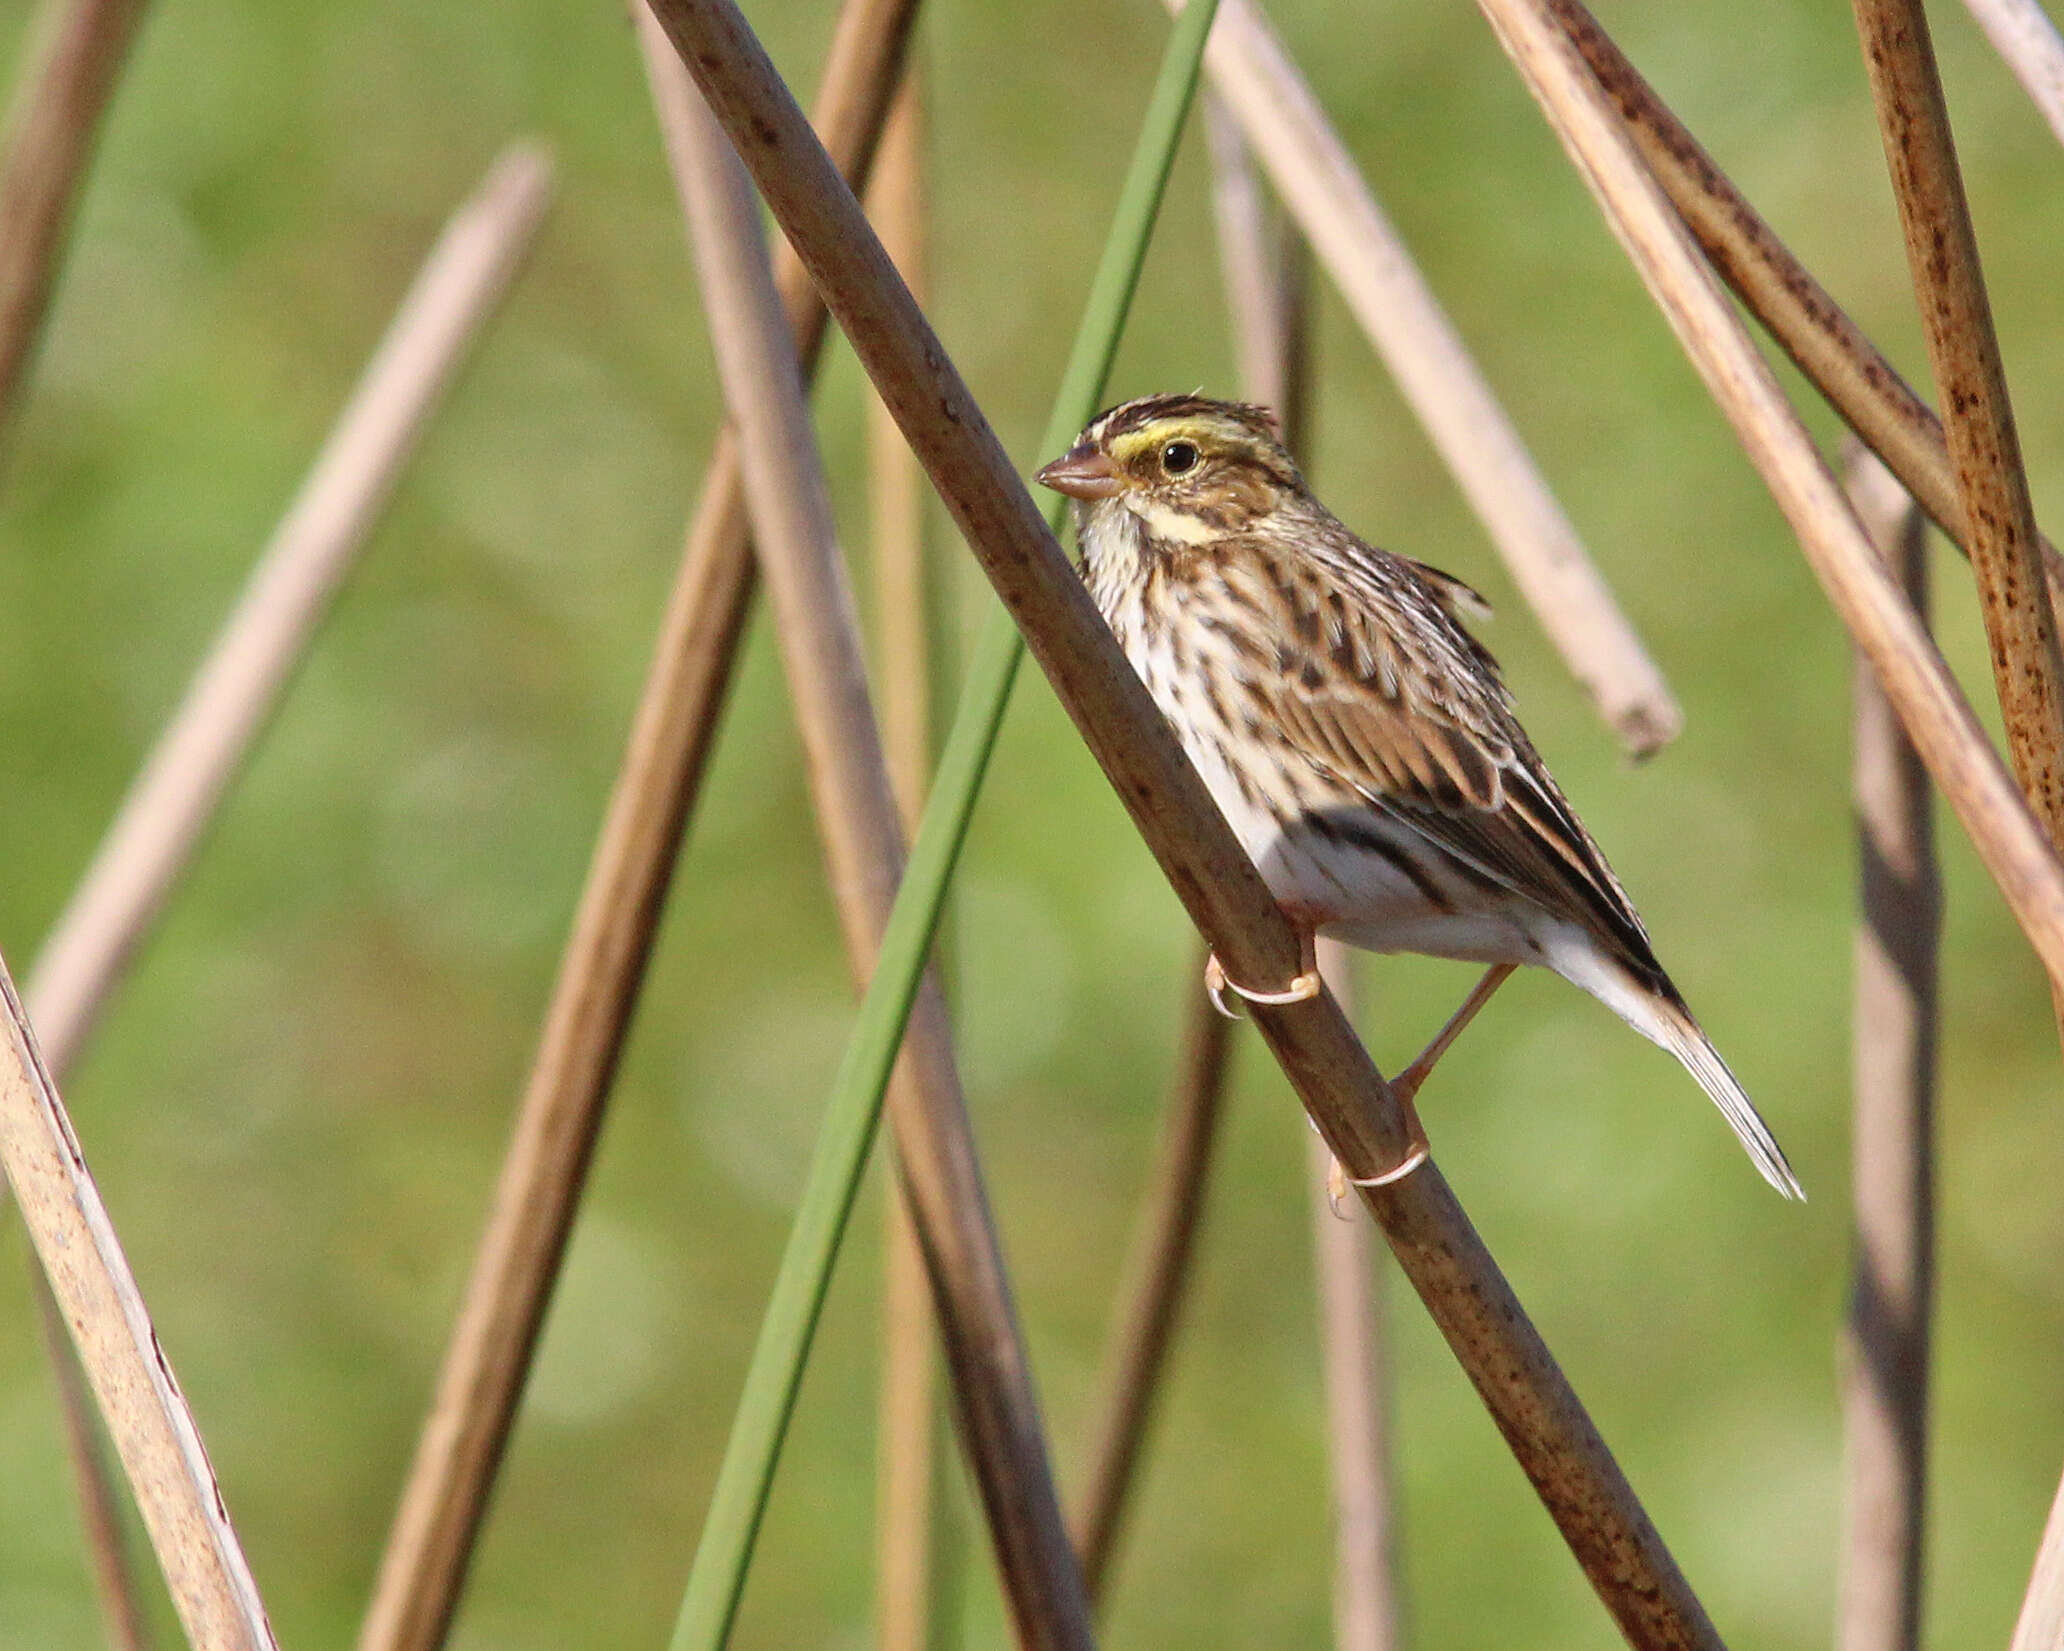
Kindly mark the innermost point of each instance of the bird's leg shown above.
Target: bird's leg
(1405, 1086)
(1306, 986)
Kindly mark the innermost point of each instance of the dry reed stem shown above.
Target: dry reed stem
(2022, 33)
(1397, 309)
(2040, 1626)
(1268, 290)
(93, 1477)
(1922, 690)
(1541, 1419)
(75, 52)
(1978, 420)
(1885, 1366)
(1825, 344)
(1150, 1299)
(863, 839)
(1367, 1610)
(233, 695)
(1368, 1614)
(147, 1416)
(481, 1378)
(910, 1486)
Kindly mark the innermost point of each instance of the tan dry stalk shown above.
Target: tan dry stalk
(232, 697)
(460, 1449)
(2022, 33)
(1984, 450)
(147, 1416)
(910, 1484)
(75, 54)
(1268, 290)
(2040, 1627)
(1150, 1298)
(1541, 1419)
(1827, 346)
(1876, 612)
(1390, 299)
(1885, 1365)
(819, 634)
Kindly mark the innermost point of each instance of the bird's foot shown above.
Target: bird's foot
(1301, 990)
(1417, 1151)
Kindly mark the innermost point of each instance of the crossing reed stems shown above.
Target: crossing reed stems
(459, 1451)
(1541, 1418)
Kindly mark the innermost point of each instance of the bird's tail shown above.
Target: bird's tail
(1661, 1017)
(1677, 1032)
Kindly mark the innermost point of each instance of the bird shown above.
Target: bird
(1357, 737)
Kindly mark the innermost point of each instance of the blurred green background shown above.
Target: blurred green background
(297, 1104)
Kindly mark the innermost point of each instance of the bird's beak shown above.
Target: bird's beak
(1082, 473)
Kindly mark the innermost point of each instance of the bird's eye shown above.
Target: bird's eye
(1179, 456)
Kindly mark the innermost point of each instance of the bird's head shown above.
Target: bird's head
(1189, 468)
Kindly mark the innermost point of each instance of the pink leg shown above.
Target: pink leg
(1406, 1086)
(1407, 1082)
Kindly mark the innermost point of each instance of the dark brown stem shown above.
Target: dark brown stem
(52, 121)
(1150, 1301)
(1546, 1427)
(460, 1450)
(1885, 1375)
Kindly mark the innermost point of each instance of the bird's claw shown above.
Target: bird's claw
(1217, 983)
(1338, 1180)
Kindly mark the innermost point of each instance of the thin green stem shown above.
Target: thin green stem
(717, 1579)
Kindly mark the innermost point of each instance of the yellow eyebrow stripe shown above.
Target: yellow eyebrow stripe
(1153, 436)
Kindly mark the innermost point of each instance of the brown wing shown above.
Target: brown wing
(1381, 688)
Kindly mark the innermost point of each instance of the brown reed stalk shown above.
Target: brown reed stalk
(1885, 1366)
(230, 702)
(1268, 290)
(1155, 1277)
(2022, 33)
(1985, 451)
(94, 1481)
(911, 1488)
(1797, 311)
(1544, 1424)
(856, 814)
(147, 1416)
(1367, 1612)
(2040, 1626)
(75, 54)
(460, 1449)
(1920, 686)
(1387, 295)
(238, 687)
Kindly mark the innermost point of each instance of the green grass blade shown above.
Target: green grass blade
(722, 1557)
